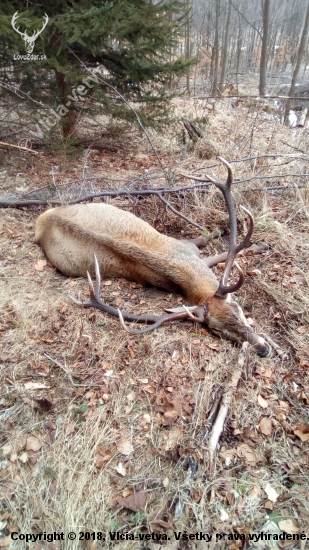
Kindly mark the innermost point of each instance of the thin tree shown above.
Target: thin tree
(216, 52)
(263, 58)
(225, 47)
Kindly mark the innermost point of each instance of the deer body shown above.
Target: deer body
(125, 246)
(78, 238)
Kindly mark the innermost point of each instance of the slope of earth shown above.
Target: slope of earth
(99, 427)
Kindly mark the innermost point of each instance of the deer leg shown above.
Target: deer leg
(217, 259)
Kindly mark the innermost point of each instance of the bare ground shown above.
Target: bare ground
(97, 434)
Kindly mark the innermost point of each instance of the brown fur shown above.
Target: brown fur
(128, 247)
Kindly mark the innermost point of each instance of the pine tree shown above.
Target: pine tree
(133, 40)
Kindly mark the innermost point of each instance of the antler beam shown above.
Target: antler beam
(155, 320)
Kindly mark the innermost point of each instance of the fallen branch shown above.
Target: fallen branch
(18, 147)
(257, 97)
(225, 403)
(12, 201)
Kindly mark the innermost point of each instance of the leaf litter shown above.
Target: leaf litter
(60, 437)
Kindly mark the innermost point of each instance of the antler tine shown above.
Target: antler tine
(97, 277)
(225, 188)
(155, 321)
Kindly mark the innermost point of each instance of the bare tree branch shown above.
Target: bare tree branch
(18, 147)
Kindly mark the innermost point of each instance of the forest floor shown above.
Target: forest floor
(97, 424)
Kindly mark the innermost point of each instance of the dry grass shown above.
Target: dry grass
(63, 486)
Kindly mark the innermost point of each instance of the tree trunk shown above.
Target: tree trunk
(188, 49)
(69, 120)
(238, 52)
(263, 58)
(216, 52)
(225, 47)
(299, 58)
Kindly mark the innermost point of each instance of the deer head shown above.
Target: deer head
(28, 40)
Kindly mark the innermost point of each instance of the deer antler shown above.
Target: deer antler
(36, 33)
(13, 21)
(24, 34)
(155, 320)
(225, 188)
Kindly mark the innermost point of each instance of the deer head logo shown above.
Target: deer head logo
(29, 40)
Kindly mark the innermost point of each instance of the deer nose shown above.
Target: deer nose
(263, 351)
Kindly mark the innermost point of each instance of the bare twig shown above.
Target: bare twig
(62, 367)
(67, 372)
(18, 147)
(168, 204)
(275, 346)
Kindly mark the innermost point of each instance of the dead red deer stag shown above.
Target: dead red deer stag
(126, 246)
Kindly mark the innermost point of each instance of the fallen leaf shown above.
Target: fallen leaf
(271, 492)
(303, 329)
(302, 395)
(149, 389)
(172, 414)
(5, 541)
(254, 272)
(249, 455)
(33, 443)
(102, 456)
(121, 469)
(173, 438)
(6, 450)
(266, 426)
(39, 266)
(23, 458)
(136, 502)
(302, 431)
(269, 505)
(125, 447)
(262, 402)
(289, 526)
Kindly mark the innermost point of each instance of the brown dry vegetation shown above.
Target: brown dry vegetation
(110, 415)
